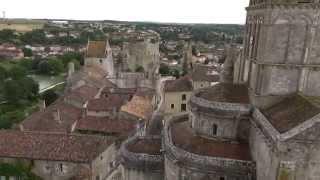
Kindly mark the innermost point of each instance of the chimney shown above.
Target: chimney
(56, 115)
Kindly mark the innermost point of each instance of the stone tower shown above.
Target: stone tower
(281, 54)
(99, 54)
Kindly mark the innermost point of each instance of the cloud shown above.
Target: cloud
(184, 11)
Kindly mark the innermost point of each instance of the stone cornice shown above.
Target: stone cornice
(179, 155)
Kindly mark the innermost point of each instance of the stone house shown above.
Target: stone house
(99, 54)
(9, 51)
(176, 95)
(56, 156)
(204, 76)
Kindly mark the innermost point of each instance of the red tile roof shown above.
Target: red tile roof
(179, 85)
(224, 92)
(96, 49)
(139, 106)
(107, 103)
(83, 93)
(291, 112)
(183, 137)
(44, 121)
(52, 146)
(146, 146)
(106, 125)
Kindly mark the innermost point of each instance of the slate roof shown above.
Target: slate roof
(96, 49)
(52, 146)
(224, 92)
(291, 112)
(179, 85)
(183, 137)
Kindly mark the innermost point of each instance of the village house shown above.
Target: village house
(58, 156)
(176, 95)
(9, 51)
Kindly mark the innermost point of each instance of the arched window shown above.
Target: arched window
(214, 129)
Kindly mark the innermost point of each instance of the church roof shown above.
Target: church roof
(225, 92)
(184, 138)
(52, 146)
(96, 49)
(291, 112)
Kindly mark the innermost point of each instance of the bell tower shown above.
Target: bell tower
(281, 49)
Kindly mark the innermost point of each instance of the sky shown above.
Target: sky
(180, 11)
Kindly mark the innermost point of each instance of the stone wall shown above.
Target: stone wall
(180, 164)
(216, 119)
(140, 166)
(175, 98)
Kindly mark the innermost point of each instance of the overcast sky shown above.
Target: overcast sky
(181, 11)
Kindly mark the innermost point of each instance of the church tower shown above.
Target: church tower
(282, 50)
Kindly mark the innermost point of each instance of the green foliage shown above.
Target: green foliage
(3, 73)
(27, 52)
(34, 37)
(17, 170)
(28, 64)
(49, 96)
(139, 69)
(175, 73)
(17, 72)
(43, 67)
(20, 91)
(164, 69)
(9, 118)
(56, 66)
(7, 36)
(72, 56)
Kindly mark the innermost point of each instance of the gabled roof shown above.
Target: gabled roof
(96, 49)
(225, 92)
(291, 112)
(106, 125)
(52, 146)
(106, 103)
(139, 106)
(44, 121)
(182, 84)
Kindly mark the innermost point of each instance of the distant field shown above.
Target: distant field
(21, 25)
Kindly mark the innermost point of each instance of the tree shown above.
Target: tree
(43, 67)
(49, 96)
(175, 73)
(17, 72)
(3, 73)
(164, 69)
(27, 52)
(56, 66)
(139, 69)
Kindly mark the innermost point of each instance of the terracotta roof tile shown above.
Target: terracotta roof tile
(52, 146)
(96, 49)
(107, 103)
(139, 106)
(291, 112)
(83, 93)
(146, 146)
(44, 121)
(184, 138)
(178, 85)
(224, 92)
(106, 125)
(205, 73)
